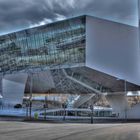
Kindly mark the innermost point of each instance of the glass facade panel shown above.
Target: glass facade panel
(60, 44)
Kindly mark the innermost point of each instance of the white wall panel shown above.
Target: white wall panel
(113, 48)
(13, 91)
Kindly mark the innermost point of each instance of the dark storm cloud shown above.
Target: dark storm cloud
(19, 14)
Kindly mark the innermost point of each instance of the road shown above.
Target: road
(12, 130)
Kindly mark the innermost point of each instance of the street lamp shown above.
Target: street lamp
(125, 90)
(45, 108)
(64, 111)
(92, 111)
(30, 98)
(27, 105)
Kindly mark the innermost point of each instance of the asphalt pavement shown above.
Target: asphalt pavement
(13, 130)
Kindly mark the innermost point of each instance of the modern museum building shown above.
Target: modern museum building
(81, 55)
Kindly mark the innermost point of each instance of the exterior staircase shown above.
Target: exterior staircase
(98, 90)
(83, 99)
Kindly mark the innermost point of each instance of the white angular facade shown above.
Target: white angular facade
(113, 48)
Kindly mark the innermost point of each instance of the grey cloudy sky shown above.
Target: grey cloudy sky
(20, 14)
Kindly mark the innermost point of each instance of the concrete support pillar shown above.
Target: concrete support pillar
(119, 104)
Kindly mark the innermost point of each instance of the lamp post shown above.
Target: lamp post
(2, 89)
(45, 108)
(92, 112)
(125, 90)
(30, 98)
(64, 111)
(27, 105)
